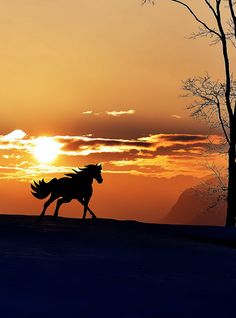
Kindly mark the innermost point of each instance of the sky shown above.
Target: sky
(100, 81)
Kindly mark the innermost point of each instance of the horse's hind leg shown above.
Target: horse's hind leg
(46, 205)
(59, 203)
(85, 210)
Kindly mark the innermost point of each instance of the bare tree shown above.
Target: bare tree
(216, 100)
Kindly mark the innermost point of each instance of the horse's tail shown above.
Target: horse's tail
(42, 189)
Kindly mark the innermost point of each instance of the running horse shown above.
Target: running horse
(76, 185)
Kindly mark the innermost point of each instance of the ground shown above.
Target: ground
(109, 268)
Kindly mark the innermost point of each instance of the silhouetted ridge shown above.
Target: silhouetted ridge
(198, 206)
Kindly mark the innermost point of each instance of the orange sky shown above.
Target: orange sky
(103, 79)
(59, 58)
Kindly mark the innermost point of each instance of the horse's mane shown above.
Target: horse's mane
(80, 171)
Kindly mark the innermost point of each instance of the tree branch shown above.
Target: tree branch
(196, 18)
(193, 13)
(211, 8)
(231, 6)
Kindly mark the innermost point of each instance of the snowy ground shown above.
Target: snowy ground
(115, 269)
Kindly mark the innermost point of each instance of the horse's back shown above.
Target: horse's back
(64, 182)
(72, 188)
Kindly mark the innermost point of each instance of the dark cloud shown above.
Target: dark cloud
(151, 147)
(183, 138)
(77, 144)
(107, 156)
(172, 149)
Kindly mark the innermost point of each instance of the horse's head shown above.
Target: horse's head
(94, 171)
(97, 170)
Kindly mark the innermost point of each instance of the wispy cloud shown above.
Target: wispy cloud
(119, 113)
(87, 112)
(176, 116)
(90, 112)
(113, 113)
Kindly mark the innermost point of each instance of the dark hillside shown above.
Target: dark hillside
(109, 268)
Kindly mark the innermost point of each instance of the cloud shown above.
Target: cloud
(90, 112)
(14, 135)
(119, 113)
(163, 155)
(176, 116)
(171, 154)
(97, 143)
(184, 138)
(113, 113)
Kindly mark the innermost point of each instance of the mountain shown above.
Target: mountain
(198, 206)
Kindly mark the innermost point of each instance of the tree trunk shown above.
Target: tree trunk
(231, 198)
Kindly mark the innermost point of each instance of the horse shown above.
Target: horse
(76, 185)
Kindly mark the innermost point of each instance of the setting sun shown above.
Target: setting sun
(46, 149)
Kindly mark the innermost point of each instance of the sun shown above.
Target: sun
(46, 149)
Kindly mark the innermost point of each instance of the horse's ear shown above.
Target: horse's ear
(99, 165)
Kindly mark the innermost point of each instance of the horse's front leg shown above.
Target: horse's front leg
(85, 201)
(88, 208)
(92, 213)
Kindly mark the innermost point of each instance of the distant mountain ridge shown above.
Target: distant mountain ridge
(196, 207)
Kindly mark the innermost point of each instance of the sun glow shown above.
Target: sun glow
(46, 149)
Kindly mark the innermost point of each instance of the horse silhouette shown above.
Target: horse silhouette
(77, 185)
